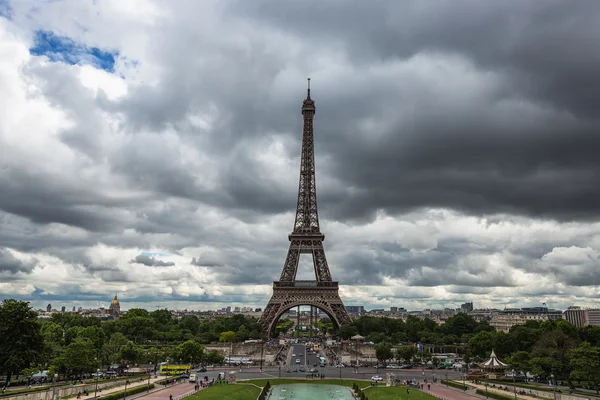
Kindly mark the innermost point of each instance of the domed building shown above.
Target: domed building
(115, 307)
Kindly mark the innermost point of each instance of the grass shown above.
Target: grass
(239, 391)
(394, 393)
(246, 391)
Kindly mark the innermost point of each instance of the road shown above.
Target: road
(331, 372)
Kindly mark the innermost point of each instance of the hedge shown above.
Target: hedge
(495, 395)
(455, 384)
(135, 390)
(264, 392)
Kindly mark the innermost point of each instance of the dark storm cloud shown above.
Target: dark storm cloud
(480, 158)
(9, 263)
(151, 261)
(45, 199)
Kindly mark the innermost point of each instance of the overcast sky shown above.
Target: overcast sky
(151, 149)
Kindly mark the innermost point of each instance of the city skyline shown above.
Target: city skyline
(151, 149)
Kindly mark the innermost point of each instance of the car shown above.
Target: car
(376, 378)
(313, 370)
(202, 369)
(297, 361)
(340, 366)
(294, 355)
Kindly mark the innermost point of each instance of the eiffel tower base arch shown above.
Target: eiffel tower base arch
(287, 295)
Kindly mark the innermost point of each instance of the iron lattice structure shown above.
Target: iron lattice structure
(306, 238)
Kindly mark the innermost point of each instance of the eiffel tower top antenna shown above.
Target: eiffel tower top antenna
(308, 95)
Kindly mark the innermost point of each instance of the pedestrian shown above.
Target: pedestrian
(170, 397)
(428, 386)
(407, 391)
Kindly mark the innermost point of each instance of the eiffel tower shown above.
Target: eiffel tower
(306, 238)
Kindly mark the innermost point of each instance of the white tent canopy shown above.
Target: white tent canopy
(494, 363)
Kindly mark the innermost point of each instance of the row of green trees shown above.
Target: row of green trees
(72, 344)
(543, 348)
(69, 344)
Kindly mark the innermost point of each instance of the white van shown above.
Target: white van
(297, 361)
(193, 378)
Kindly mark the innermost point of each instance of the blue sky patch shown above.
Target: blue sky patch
(64, 49)
(5, 9)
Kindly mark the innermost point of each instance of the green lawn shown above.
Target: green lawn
(227, 392)
(242, 391)
(395, 393)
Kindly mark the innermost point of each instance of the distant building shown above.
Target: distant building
(73, 308)
(579, 317)
(49, 308)
(510, 317)
(63, 309)
(115, 307)
(394, 309)
(355, 310)
(466, 308)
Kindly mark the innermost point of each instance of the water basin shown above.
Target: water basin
(307, 391)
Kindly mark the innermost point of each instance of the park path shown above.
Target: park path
(508, 393)
(448, 393)
(177, 391)
(91, 386)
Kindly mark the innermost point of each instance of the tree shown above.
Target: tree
(519, 361)
(481, 344)
(406, 353)
(383, 351)
(214, 357)
(227, 336)
(131, 352)
(585, 364)
(53, 333)
(21, 343)
(190, 323)
(111, 353)
(460, 324)
(551, 353)
(190, 351)
(78, 358)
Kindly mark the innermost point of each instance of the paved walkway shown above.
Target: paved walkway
(91, 386)
(508, 393)
(449, 393)
(176, 391)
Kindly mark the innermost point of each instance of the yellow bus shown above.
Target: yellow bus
(316, 347)
(174, 369)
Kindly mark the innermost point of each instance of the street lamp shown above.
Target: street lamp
(97, 377)
(464, 383)
(54, 386)
(446, 379)
(125, 391)
(149, 375)
(262, 347)
(514, 385)
(552, 383)
(280, 370)
(340, 373)
(486, 388)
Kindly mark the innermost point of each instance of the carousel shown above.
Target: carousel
(493, 365)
